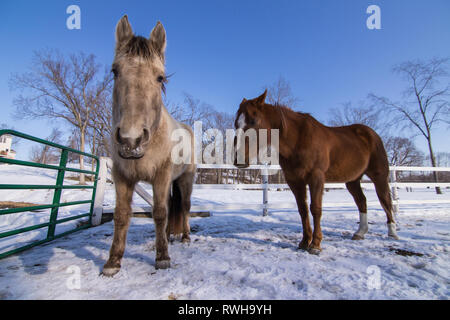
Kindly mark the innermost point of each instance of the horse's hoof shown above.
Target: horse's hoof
(303, 246)
(314, 251)
(392, 231)
(185, 239)
(110, 271)
(357, 237)
(162, 264)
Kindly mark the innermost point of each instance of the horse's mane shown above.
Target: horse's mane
(138, 46)
(285, 113)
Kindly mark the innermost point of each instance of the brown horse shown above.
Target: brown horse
(142, 144)
(311, 153)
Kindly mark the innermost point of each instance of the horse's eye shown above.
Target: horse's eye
(115, 71)
(160, 79)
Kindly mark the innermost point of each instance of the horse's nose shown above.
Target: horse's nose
(130, 138)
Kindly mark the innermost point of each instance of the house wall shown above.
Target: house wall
(5, 146)
(5, 142)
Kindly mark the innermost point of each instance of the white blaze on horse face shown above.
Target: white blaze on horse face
(241, 121)
(241, 125)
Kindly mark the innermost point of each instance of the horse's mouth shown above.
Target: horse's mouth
(131, 155)
(125, 152)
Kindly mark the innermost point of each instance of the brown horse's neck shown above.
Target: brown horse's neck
(291, 124)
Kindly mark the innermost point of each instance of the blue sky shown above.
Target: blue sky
(222, 51)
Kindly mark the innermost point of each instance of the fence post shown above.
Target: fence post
(57, 194)
(100, 193)
(395, 198)
(265, 181)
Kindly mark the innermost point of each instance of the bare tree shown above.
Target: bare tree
(280, 93)
(222, 121)
(443, 159)
(194, 109)
(44, 153)
(425, 102)
(403, 152)
(73, 142)
(368, 116)
(100, 126)
(191, 110)
(57, 87)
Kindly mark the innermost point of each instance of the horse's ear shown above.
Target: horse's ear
(123, 30)
(262, 98)
(243, 100)
(158, 39)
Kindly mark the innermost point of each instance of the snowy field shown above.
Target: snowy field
(236, 254)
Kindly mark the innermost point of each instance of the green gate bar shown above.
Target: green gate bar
(58, 187)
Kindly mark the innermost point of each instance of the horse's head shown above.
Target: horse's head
(139, 77)
(250, 115)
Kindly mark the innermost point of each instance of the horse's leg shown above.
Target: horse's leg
(354, 187)
(161, 189)
(316, 191)
(185, 182)
(122, 215)
(381, 182)
(300, 196)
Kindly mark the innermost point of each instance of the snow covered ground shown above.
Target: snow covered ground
(235, 254)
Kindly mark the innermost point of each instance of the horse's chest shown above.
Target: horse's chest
(146, 171)
(138, 170)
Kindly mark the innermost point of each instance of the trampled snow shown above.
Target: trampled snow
(234, 254)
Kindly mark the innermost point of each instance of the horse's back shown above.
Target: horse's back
(352, 150)
(357, 135)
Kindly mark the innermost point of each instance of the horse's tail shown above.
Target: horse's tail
(379, 152)
(378, 157)
(175, 221)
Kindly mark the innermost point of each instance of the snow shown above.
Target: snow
(234, 254)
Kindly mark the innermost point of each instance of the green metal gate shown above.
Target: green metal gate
(58, 187)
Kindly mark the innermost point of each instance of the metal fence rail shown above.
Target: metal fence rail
(58, 187)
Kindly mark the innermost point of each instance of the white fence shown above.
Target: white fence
(106, 163)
